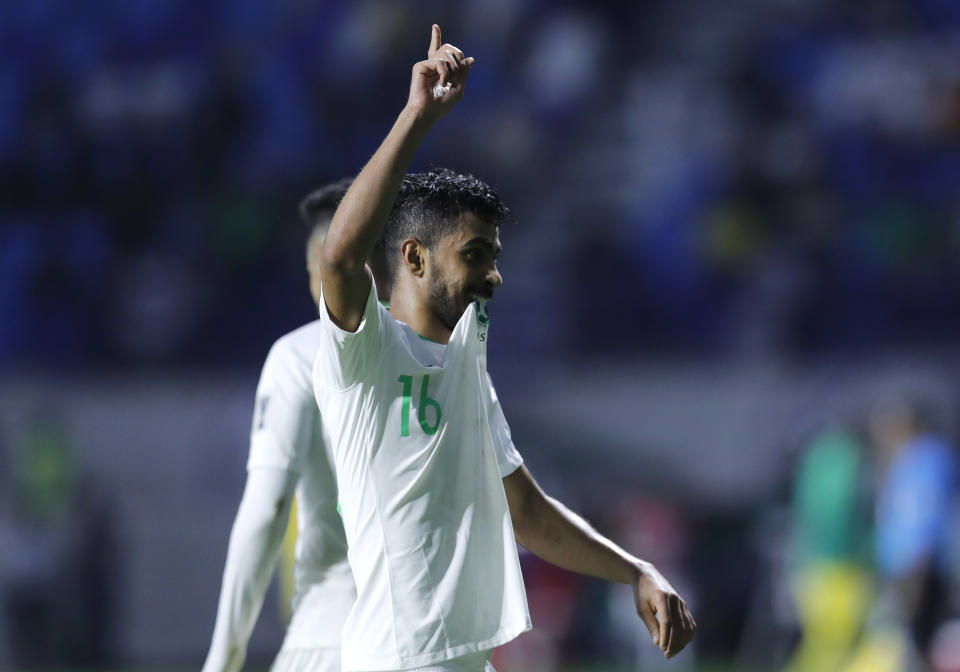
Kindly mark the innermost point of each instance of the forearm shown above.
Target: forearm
(435, 87)
(561, 537)
(255, 542)
(362, 214)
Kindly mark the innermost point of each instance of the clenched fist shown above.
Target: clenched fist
(662, 610)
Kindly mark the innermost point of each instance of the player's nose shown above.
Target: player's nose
(494, 278)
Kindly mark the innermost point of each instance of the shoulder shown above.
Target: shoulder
(299, 344)
(376, 319)
(292, 355)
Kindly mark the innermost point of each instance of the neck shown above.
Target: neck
(407, 307)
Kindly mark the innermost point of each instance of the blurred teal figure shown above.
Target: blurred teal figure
(831, 550)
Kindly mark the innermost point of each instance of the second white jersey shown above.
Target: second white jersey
(419, 466)
(288, 434)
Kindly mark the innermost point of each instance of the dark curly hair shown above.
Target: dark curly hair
(429, 205)
(316, 210)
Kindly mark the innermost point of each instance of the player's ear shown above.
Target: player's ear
(412, 252)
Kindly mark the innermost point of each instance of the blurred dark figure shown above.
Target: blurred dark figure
(831, 553)
(662, 530)
(57, 572)
(917, 469)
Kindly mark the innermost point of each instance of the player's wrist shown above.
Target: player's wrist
(639, 570)
(418, 116)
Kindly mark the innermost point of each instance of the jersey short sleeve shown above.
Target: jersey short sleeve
(284, 413)
(508, 457)
(345, 357)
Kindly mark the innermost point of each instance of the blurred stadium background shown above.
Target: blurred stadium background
(737, 236)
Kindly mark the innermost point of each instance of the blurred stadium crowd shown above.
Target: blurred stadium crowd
(759, 180)
(773, 176)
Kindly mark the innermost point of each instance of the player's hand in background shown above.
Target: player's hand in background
(662, 610)
(437, 83)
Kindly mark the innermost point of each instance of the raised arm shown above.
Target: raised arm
(435, 87)
(548, 529)
(251, 557)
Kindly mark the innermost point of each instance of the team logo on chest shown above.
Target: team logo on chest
(483, 319)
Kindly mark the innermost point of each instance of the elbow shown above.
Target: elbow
(340, 256)
(281, 510)
(525, 500)
(524, 527)
(526, 540)
(518, 533)
(263, 516)
(340, 260)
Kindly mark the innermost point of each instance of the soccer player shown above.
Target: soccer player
(432, 492)
(288, 455)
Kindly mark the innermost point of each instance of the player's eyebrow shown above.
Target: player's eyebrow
(492, 247)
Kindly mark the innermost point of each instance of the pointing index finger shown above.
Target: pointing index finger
(434, 41)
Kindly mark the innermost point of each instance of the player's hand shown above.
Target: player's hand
(437, 83)
(662, 610)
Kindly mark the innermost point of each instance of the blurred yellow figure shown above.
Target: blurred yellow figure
(883, 650)
(831, 569)
(288, 555)
(833, 600)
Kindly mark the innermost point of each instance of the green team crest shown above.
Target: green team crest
(483, 317)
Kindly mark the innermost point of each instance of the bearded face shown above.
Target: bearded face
(446, 300)
(462, 267)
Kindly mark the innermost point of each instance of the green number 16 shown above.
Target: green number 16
(425, 402)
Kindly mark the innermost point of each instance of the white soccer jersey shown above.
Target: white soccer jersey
(419, 467)
(288, 434)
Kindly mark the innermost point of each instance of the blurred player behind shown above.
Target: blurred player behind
(288, 455)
